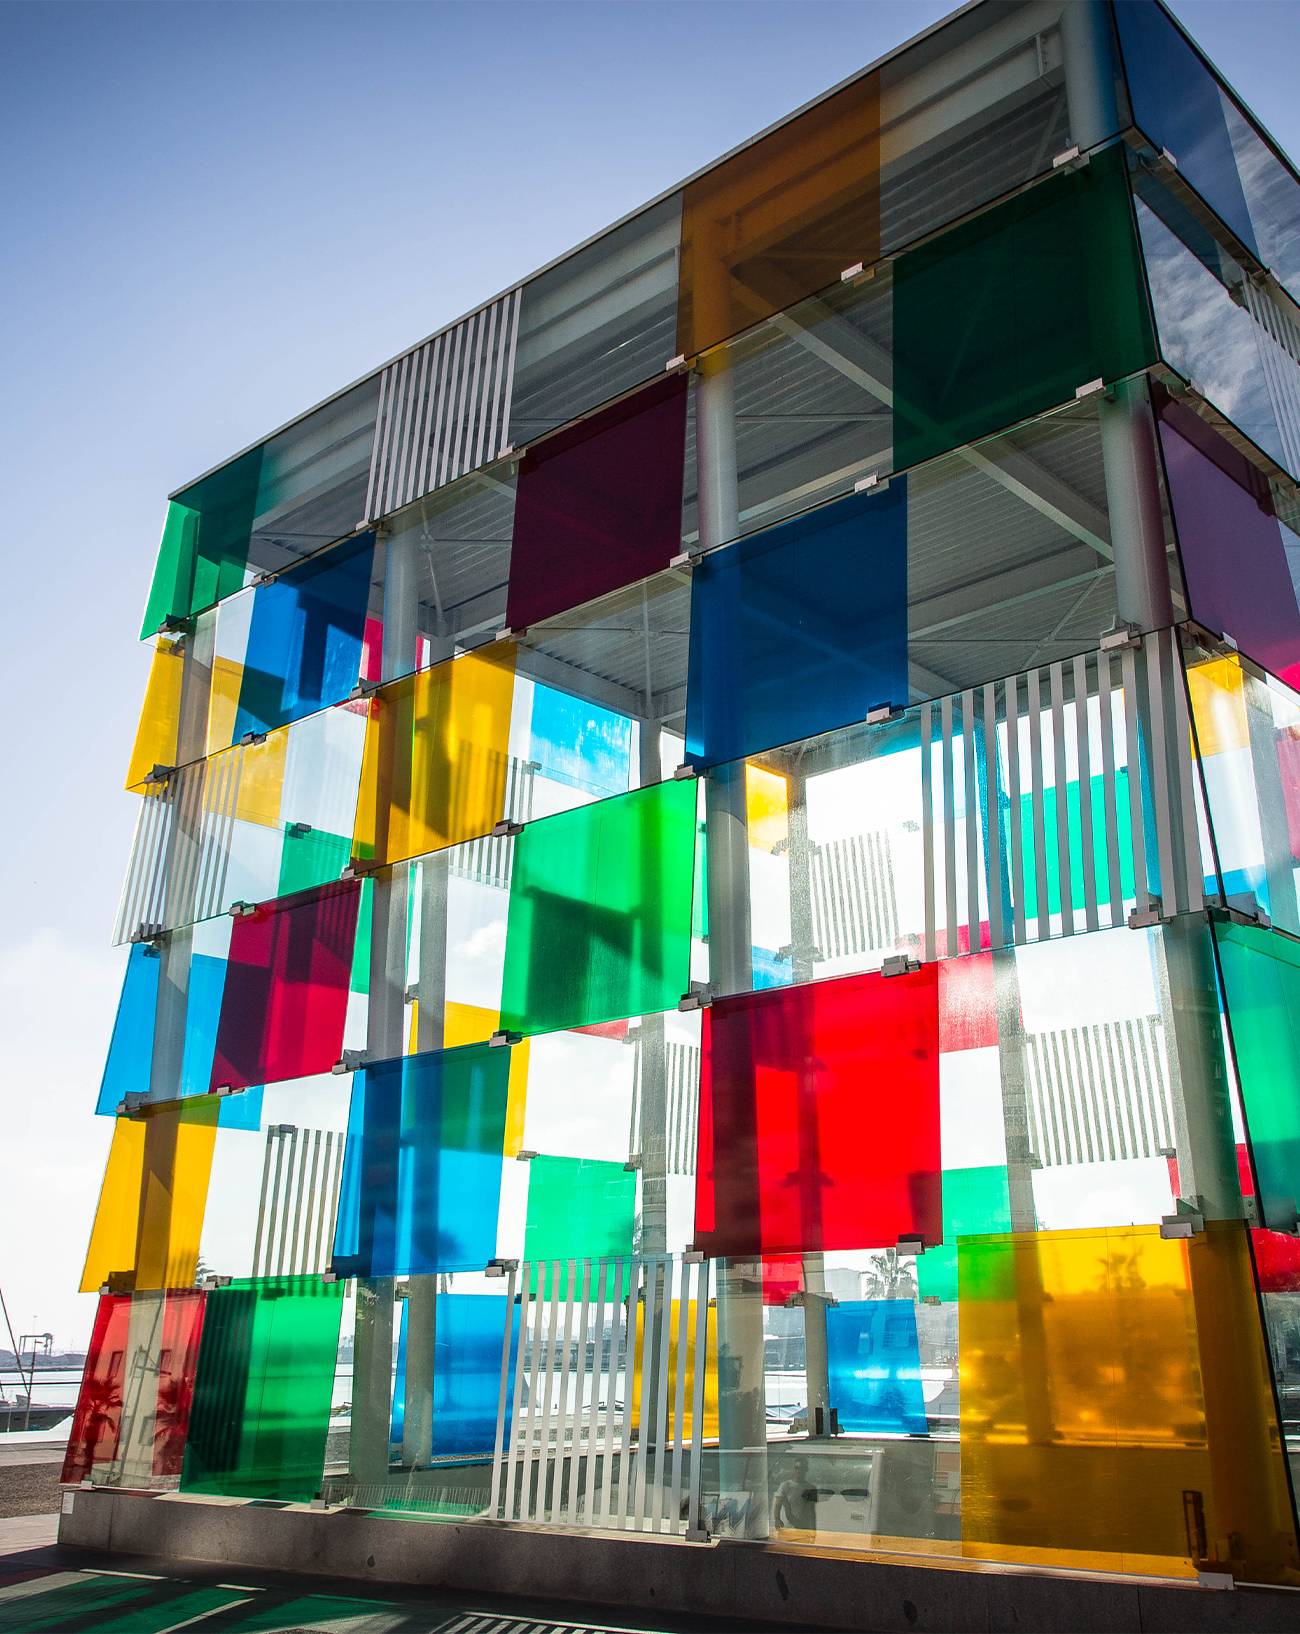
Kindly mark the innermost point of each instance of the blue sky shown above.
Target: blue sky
(216, 214)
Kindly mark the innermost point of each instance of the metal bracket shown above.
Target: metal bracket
(693, 1256)
(525, 1155)
(1228, 913)
(1168, 157)
(501, 1039)
(684, 558)
(161, 774)
(912, 1245)
(1121, 637)
(148, 932)
(242, 910)
(700, 997)
(1187, 1222)
(251, 738)
(1089, 387)
(363, 690)
(900, 964)
(684, 771)
(1071, 157)
(298, 831)
(505, 633)
(633, 1164)
(349, 1061)
(872, 483)
(880, 714)
(675, 363)
(850, 273)
(357, 869)
(506, 829)
(1145, 918)
(499, 1268)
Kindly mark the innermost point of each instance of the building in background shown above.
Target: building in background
(713, 942)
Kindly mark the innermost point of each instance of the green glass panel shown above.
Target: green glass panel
(1074, 819)
(600, 911)
(360, 981)
(1009, 313)
(974, 1201)
(1261, 986)
(263, 1389)
(204, 548)
(315, 858)
(578, 1208)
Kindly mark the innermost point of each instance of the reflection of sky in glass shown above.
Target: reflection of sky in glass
(1272, 197)
(580, 743)
(1205, 335)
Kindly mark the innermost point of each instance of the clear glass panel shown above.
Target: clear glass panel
(261, 1408)
(266, 509)
(598, 323)
(794, 1157)
(800, 628)
(422, 1171)
(146, 1230)
(599, 506)
(1231, 341)
(284, 1004)
(1235, 563)
(133, 1409)
(600, 911)
(1011, 312)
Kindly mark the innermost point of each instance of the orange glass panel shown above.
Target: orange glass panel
(156, 735)
(434, 771)
(1115, 1407)
(781, 219)
(151, 1204)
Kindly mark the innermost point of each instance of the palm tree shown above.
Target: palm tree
(892, 1276)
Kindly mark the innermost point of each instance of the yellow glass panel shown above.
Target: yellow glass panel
(1218, 697)
(1091, 1413)
(475, 1024)
(160, 716)
(223, 702)
(261, 779)
(146, 1230)
(767, 807)
(710, 1430)
(434, 769)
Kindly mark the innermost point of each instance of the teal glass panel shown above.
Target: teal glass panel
(600, 911)
(975, 1202)
(311, 856)
(1074, 823)
(874, 1366)
(1261, 987)
(265, 1382)
(578, 1208)
(1008, 314)
(204, 548)
(422, 1164)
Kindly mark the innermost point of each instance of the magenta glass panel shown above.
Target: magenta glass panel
(286, 992)
(1234, 561)
(599, 506)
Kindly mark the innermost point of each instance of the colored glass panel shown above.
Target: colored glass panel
(782, 218)
(1051, 859)
(146, 1229)
(129, 1062)
(162, 1332)
(874, 1366)
(204, 547)
(262, 1395)
(436, 758)
(1230, 543)
(599, 506)
(304, 638)
(819, 1117)
(767, 808)
(1177, 102)
(156, 736)
(475, 1024)
(600, 911)
(1261, 985)
(799, 629)
(578, 1208)
(975, 1203)
(1009, 313)
(968, 1009)
(1105, 1375)
(709, 1428)
(284, 1001)
(579, 743)
(422, 1164)
(468, 1331)
(309, 858)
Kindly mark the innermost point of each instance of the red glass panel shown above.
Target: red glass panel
(968, 1014)
(599, 506)
(286, 993)
(781, 1278)
(97, 1421)
(822, 1106)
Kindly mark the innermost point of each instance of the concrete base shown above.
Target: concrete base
(752, 1582)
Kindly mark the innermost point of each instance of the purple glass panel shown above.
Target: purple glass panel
(599, 506)
(1230, 540)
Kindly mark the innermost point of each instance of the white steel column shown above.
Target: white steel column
(742, 1412)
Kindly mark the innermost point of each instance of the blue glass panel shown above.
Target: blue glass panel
(579, 743)
(466, 1373)
(422, 1164)
(1177, 103)
(799, 629)
(130, 1050)
(875, 1366)
(304, 638)
(771, 969)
